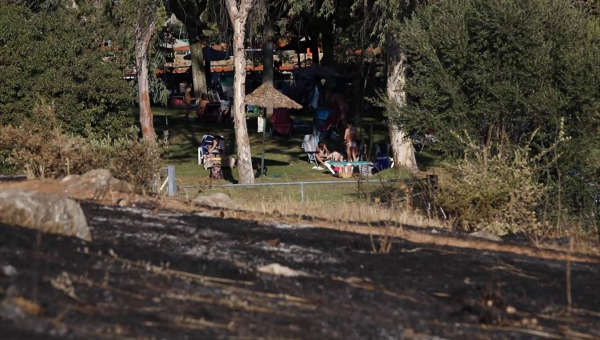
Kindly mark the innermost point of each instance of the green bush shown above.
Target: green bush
(54, 55)
(508, 75)
(40, 148)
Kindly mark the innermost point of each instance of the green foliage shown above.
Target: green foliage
(40, 148)
(499, 70)
(508, 74)
(55, 56)
(122, 20)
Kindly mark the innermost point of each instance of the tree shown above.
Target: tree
(395, 12)
(238, 15)
(403, 150)
(145, 24)
(189, 12)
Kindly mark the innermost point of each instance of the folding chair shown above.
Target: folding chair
(384, 160)
(309, 145)
(321, 121)
(207, 141)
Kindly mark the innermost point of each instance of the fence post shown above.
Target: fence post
(172, 189)
(302, 193)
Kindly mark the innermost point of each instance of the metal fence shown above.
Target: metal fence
(170, 183)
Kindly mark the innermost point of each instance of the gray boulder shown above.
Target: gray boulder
(96, 183)
(218, 200)
(44, 212)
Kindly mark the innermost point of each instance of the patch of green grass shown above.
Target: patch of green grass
(284, 159)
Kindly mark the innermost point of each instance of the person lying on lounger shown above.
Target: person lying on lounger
(322, 154)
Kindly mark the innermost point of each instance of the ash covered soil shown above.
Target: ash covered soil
(155, 274)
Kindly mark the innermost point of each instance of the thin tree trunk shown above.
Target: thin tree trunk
(328, 43)
(146, 117)
(314, 48)
(239, 17)
(198, 74)
(403, 150)
(189, 12)
(208, 72)
(267, 79)
(143, 35)
(246, 174)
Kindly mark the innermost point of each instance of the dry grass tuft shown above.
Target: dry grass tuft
(341, 212)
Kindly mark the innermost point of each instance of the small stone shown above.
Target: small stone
(486, 236)
(70, 178)
(277, 269)
(273, 242)
(9, 270)
(218, 200)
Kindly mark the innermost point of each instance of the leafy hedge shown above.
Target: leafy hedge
(55, 56)
(504, 76)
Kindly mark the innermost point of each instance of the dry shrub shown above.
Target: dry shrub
(40, 148)
(339, 212)
(131, 159)
(494, 194)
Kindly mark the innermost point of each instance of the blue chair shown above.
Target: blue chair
(321, 121)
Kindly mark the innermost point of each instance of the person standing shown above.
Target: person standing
(350, 137)
(187, 100)
(202, 105)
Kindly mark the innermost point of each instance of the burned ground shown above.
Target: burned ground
(153, 274)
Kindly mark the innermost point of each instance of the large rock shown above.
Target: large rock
(218, 200)
(96, 183)
(45, 212)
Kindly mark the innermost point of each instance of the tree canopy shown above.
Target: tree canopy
(496, 71)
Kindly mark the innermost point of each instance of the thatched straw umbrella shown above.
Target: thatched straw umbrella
(266, 96)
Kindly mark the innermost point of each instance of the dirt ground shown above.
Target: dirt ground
(161, 274)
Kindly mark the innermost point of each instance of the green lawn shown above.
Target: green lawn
(284, 157)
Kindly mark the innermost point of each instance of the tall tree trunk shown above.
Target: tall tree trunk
(146, 116)
(404, 152)
(358, 83)
(189, 12)
(208, 72)
(268, 35)
(328, 43)
(198, 74)
(143, 34)
(314, 48)
(238, 18)
(267, 79)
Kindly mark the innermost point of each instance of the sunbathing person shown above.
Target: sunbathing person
(216, 154)
(322, 155)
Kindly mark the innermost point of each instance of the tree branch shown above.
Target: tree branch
(232, 9)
